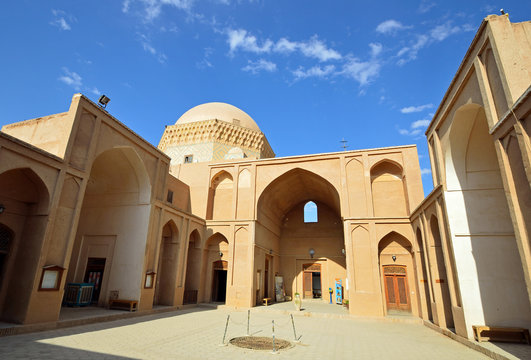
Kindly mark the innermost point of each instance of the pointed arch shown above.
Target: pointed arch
(294, 187)
(388, 189)
(221, 194)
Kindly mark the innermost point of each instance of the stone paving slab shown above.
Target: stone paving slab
(197, 334)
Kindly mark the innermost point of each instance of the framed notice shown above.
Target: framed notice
(51, 278)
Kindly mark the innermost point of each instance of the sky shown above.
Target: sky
(310, 73)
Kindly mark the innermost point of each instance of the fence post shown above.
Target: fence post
(274, 345)
(294, 333)
(225, 333)
(248, 317)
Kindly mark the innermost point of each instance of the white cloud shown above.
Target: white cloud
(95, 91)
(260, 65)
(415, 128)
(151, 9)
(425, 6)
(241, 39)
(71, 78)
(285, 46)
(436, 34)
(390, 26)
(146, 45)
(441, 32)
(315, 71)
(420, 124)
(317, 49)
(376, 49)
(60, 20)
(413, 109)
(362, 71)
(206, 59)
(425, 171)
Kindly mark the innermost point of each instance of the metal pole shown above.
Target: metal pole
(294, 333)
(225, 333)
(274, 346)
(248, 317)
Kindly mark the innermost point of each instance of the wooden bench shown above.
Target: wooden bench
(121, 304)
(504, 334)
(266, 301)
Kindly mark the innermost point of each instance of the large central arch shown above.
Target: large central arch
(307, 254)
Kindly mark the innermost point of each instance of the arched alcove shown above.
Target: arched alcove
(25, 200)
(193, 269)
(388, 190)
(167, 265)
(109, 248)
(397, 272)
(478, 212)
(244, 204)
(220, 199)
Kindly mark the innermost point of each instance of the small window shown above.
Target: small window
(188, 159)
(169, 198)
(236, 122)
(310, 212)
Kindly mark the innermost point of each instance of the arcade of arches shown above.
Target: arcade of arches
(84, 200)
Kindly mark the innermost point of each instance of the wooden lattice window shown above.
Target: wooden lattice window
(5, 239)
(395, 270)
(311, 267)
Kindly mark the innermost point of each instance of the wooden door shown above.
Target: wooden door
(307, 284)
(396, 288)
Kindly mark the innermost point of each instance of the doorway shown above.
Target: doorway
(311, 281)
(94, 275)
(219, 281)
(396, 288)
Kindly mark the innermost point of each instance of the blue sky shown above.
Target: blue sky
(310, 73)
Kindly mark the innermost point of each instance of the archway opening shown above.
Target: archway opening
(193, 269)
(479, 218)
(167, 266)
(396, 261)
(25, 201)
(291, 245)
(215, 268)
(111, 237)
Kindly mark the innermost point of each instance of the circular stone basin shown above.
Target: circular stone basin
(259, 343)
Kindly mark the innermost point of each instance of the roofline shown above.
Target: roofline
(239, 161)
(125, 126)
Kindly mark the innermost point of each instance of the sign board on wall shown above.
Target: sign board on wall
(339, 292)
(279, 289)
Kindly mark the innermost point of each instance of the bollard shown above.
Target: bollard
(294, 333)
(248, 317)
(274, 346)
(225, 333)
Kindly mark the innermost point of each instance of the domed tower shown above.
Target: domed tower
(214, 131)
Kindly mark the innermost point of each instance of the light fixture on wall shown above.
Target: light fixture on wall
(2, 208)
(393, 257)
(103, 101)
(220, 254)
(270, 251)
(343, 251)
(312, 252)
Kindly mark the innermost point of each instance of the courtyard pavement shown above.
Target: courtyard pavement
(197, 333)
